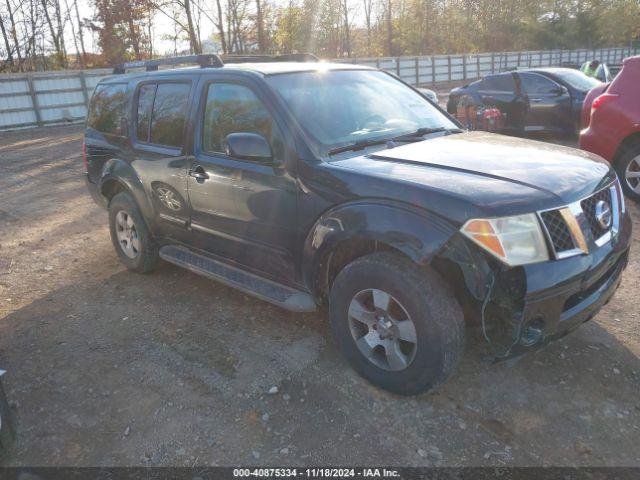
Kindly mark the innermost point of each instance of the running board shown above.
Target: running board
(268, 290)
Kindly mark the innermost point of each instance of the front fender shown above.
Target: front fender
(415, 232)
(120, 171)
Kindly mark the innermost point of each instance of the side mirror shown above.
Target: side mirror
(562, 90)
(430, 94)
(248, 146)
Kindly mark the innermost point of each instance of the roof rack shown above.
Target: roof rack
(212, 60)
(204, 60)
(287, 57)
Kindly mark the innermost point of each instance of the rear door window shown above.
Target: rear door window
(498, 83)
(161, 113)
(145, 103)
(107, 108)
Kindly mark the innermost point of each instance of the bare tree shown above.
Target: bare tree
(55, 29)
(149, 20)
(133, 33)
(60, 33)
(260, 27)
(80, 35)
(347, 27)
(73, 35)
(6, 41)
(236, 27)
(389, 29)
(219, 23)
(193, 37)
(368, 5)
(14, 34)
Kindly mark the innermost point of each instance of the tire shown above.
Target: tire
(423, 298)
(629, 162)
(142, 257)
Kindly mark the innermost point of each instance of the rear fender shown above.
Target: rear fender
(120, 171)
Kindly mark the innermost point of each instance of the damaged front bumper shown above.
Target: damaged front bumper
(550, 314)
(523, 308)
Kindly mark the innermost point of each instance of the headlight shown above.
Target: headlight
(515, 240)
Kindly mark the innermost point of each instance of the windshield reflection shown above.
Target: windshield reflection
(341, 107)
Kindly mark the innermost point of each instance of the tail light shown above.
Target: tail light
(601, 100)
(85, 162)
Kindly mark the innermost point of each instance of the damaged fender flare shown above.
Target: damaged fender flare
(415, 232)
(121, 172)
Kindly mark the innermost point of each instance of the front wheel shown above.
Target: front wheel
(398, 325)
(628, 169)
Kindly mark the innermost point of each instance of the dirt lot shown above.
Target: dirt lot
(106, 367)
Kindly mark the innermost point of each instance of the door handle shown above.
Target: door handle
(536, 100)
(198, 173)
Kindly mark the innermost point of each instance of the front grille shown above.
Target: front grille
(589, 208)
(566, 227)
(559, 233)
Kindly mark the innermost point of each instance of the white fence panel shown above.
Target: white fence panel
(29, 100)
(15, 102)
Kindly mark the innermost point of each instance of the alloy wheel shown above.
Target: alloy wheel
(127, 234)
(632, 174)
(382, 329)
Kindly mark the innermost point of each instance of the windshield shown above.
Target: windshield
(340, 107)
(578, 80)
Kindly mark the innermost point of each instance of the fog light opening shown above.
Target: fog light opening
(532, 332)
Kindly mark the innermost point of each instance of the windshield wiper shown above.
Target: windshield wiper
(406, 137)
(421, 132)
(359, 145)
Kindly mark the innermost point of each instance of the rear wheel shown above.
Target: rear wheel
(130, 236)
(399, 326)
(628, 169)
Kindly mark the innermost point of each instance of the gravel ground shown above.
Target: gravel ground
(106, 367)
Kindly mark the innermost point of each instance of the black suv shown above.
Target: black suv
(313, 184)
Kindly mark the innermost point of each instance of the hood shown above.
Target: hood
(499, 175)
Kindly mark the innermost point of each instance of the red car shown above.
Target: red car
(611, 114)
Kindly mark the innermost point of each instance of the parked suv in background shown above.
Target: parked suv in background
(534, 100)
(611, 117)
(301, 184)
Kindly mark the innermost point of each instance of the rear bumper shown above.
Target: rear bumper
(601, 144)
(94, 191)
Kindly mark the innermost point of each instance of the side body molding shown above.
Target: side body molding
(415, 232)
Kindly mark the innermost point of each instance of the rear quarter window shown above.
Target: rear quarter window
(107, 108)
